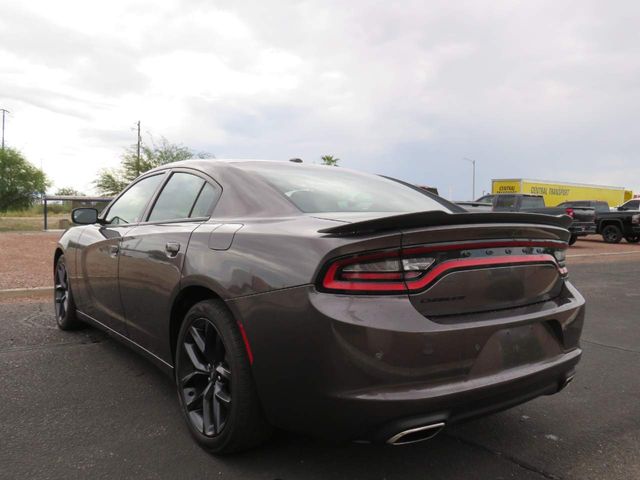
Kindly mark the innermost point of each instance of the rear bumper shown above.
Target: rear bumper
(364, 368)
(583, 228)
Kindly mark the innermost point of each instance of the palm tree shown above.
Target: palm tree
(330, 160)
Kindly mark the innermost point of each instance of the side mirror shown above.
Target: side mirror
(622, 209)
(84, 216)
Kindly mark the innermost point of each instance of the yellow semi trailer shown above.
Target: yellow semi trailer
(556, 192)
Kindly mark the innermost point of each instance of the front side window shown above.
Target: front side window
(129, 208)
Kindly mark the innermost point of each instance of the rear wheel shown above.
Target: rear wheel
(573, 239)
(214, 382)
(633, 238)
(611, 234)
(65, 307)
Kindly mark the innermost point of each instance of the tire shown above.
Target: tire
(573, 239)
(633, 239)
(611, 234)
(64, 306)
(214, 382)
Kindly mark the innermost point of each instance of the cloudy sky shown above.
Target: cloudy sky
(544, 89)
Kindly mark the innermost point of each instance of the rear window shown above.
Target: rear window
(506, 201)
(532, 202)
(319, 189)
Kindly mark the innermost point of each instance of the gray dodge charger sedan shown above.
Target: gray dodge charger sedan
(322, 300)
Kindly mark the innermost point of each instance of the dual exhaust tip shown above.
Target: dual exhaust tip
(416, 434)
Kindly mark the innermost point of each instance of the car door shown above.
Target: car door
(152, 255)
(98, 293)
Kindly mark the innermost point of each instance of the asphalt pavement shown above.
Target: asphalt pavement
(80, 405)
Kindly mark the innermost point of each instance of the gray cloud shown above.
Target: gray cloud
(544, 89)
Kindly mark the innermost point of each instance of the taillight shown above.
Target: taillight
(380, 271)
(570, 212)
(415, 268)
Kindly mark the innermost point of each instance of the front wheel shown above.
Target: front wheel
(65, 307)
(214, 381)
(611, 234)
(632, 238)
(573, 239)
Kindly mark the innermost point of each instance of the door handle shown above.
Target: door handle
(113, 250)
(172, 248)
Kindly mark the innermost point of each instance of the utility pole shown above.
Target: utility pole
(3, 113)
(138, 158)
(473, 162)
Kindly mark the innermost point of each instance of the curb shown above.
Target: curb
(26, 292)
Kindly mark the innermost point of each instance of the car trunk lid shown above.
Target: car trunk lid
(458, 264)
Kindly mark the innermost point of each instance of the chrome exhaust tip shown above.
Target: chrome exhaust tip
(417, 434)
(568, 380)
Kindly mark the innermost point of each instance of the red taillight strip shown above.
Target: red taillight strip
(465, 263)
(332, 284)
(373, 275)
(360, 281)
(438, 271)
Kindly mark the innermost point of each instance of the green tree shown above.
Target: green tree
(21, 184)
(113, 180)
(69, 191)
(330, 160)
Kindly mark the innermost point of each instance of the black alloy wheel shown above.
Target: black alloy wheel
(61, 291)
(611, 234)
(215, 383)
(65, 307)
(205, 378)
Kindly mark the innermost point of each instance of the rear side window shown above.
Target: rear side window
(177, 197)
(602, 207)
(129, 208)
(208, 196)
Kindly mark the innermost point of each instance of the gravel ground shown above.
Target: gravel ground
(25, 259)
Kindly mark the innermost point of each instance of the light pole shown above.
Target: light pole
(3, 113)
(138, 151)
(473, 163)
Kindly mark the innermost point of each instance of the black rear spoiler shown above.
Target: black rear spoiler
(439, 218)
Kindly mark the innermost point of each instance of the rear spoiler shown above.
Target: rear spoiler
(439, 218)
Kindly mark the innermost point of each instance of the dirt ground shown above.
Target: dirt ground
(26, 259)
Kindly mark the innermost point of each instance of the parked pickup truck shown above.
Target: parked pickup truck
(613, 225)
(583, 217)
